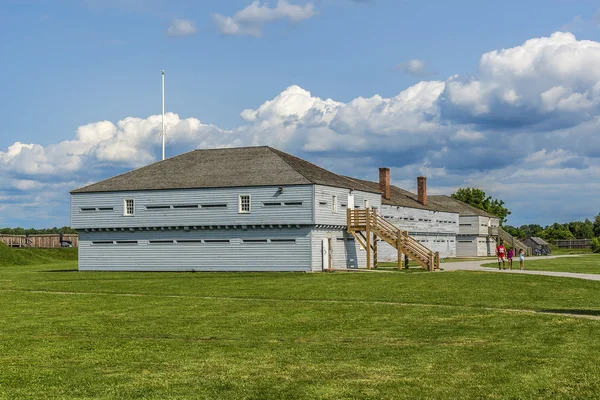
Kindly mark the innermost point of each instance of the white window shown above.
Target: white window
(334, 203)
(244, 203)
(366, 203)
(129, 207)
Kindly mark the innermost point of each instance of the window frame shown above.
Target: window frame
(125, 210)
(334, 203)
(240, 209)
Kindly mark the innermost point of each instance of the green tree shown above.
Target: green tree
(532, 230)
(557, 231)
(477, 198)
(514, 231)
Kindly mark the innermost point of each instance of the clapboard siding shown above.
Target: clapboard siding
(416, 220)
(260, 214)
(324, 213)
(346, 251)
(234, 256)
(467, 246)
(469, 225)
(444, 244)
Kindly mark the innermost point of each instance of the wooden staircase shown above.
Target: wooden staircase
(363, 224)
(515, 243)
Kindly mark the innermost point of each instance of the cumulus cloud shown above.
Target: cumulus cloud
(181, 27)
(413, 67)
(251, 20)
(523, 127)
(551, 80)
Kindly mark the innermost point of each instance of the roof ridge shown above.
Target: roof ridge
(231, 148)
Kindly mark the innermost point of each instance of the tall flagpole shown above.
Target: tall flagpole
(162, 132)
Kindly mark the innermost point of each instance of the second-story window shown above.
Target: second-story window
(244, 203)
(334, 203)
(129, 207)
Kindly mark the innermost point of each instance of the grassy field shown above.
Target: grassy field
(66, 334)
(562, 252)
(586, 264)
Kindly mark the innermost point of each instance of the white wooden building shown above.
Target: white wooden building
(240, 209)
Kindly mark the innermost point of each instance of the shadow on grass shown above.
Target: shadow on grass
(404, 270)
(572, 312)
(60, 270)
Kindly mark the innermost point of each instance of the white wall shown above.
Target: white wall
(445, 244)
(424, 221)
(196, 250)
(324, 213)
(435, 230)
(262, 211)
(347, 253)
(469, 225)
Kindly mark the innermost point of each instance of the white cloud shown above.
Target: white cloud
(463, 135)
(555, 74)
(413, 67)
(251, 20)
(181, 27)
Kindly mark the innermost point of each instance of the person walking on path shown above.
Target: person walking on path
(522, 258)
(501, 253)
(509, 257)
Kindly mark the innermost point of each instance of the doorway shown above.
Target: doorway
(327, 252)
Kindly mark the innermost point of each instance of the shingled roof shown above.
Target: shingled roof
(233, 167)
(403, 198)
(453, 205)
(398, 197)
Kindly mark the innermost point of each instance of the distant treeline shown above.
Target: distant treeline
(571, 230)
(31, 231)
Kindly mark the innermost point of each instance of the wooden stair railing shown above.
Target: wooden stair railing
(515, 243)
(370, 222)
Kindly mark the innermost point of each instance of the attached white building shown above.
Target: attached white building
(426, 221)
(477, 229)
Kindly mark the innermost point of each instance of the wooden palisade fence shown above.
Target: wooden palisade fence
(40, 241)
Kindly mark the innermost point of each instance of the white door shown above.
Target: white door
(350, 202)
(326, 254)
(466, 248)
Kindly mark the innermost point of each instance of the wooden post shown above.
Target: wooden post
(375, 222)
(437, 260)
(431, 262)
(406, 259)
(374, 251)
(368, 235)
(399, 246)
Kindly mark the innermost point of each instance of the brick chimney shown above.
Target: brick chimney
(422, 189)
(384, 182)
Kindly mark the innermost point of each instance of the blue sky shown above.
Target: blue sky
(412, 84)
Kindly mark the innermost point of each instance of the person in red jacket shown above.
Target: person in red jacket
(501, 254)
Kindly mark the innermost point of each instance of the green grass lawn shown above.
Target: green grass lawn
(587, 264)
(561, 252)
(66, 334)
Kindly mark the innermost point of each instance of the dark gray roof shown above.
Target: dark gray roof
(453, 205)
(403, 198)
(233, 167)
(539, 241)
